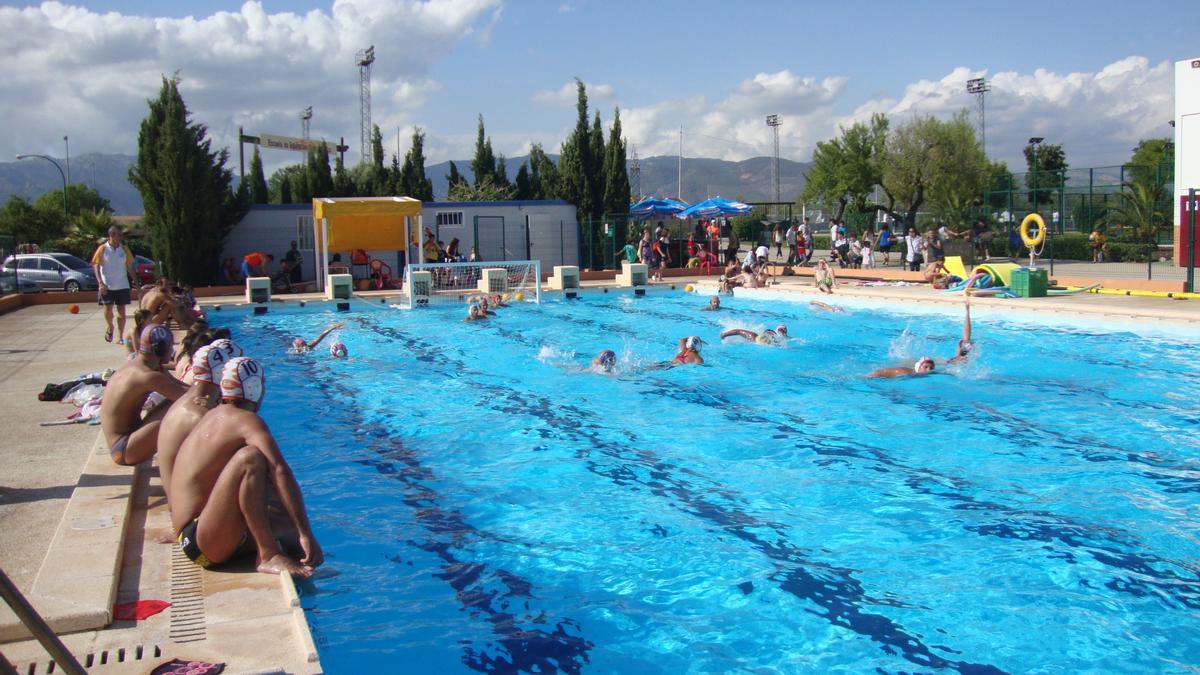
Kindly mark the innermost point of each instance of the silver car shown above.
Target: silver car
(53, 271)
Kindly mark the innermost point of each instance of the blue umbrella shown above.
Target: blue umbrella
(713, 207)
(656, 206)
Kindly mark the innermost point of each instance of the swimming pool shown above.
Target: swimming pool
(487, 504)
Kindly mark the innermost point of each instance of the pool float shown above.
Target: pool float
(1072, 290)
(1033, 241)
(954, 265)
(1001, 273)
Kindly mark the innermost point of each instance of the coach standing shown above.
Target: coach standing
(113, 264)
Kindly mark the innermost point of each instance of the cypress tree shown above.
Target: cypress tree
(501, 179)
(343, 186)
(285, 190)
(186, 190)
(576, 160)
(484, 164)
(320, 179)
(393, 179)
(454, 177)
(413, 182)
(259, 193)
(543, 174)
(524, 189)
(377, 177)
(595, 172)
(616, 173)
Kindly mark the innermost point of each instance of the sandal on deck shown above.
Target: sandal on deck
(108, 335)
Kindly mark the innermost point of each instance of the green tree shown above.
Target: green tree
(84, 233)
(935, 161)
(1152, 158)
(595, 172)
(1143, 209)
(1050, 171)
(484, 164)
(616, 173)
(343, 185)
(454, 178)
(320, 176)
(392, 181)
(80, 199)
(376, 181)
(259, 192)
(1000, 183)
(185, 188)
(285, 190)
(281, 183)
(543, 174)
(413, 182)
(848, 168)
(522, 188)
(26, 224)
(486, 191)
(575, 184)
(501, 177)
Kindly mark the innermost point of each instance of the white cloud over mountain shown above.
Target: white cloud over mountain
(66, 69)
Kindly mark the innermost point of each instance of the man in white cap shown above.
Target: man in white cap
(923, 366)
(185, 413)
(218, 494)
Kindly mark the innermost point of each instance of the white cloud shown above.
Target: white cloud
(248, 68)
(566, 95)
(566, 8)
(1098, 117)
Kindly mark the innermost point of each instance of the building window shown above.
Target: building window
(449, 218)
(304, 233)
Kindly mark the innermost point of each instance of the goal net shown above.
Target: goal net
(446, 283)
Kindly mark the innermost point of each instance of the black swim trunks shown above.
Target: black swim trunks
(118, 296)
(187, 542)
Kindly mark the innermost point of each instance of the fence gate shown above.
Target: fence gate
(489, 237)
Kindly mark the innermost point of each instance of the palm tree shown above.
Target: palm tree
(1144, 208)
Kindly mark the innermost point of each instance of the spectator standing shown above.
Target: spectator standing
(934, 251)
(112, 263)
(979, 239)
(294, 260)
(914, 245)
(886, 241)
(856, 254)
(777, 235)
(868, 256)
(807, 233)
(790, 236)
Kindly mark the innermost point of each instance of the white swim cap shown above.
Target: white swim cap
(231, 348)
(338, 349)
(693, 343)
(242, 380)
(209, 359)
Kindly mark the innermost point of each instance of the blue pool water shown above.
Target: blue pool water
(487, 504)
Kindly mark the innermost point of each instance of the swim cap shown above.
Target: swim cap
(608, 357)
(693, 343)
(299, 344)
(209, 359)
(231, 348)
(923, 359)
(338, 349)
(781, 329)
(157, 341)
(242, 380)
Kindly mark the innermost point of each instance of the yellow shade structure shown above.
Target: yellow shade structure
(369, 223)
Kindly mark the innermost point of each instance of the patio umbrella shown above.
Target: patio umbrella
(656, 206)
(713, 207)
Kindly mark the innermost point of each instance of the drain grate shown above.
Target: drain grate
(187, 599)
(95, 660)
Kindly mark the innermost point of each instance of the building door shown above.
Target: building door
(490, 233)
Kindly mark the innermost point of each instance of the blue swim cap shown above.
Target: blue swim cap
(157, 341)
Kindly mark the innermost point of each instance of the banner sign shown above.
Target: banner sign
(291, 143)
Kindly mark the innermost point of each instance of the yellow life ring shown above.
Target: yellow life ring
(1041, 231)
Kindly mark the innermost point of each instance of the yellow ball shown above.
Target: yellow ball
(689, 289)
(519, 297)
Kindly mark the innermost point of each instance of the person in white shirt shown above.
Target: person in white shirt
(113, 264)
(915, 244)
(790, 235)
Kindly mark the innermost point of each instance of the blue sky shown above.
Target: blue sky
(1091, 76)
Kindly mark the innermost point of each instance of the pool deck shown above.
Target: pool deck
(78, 533)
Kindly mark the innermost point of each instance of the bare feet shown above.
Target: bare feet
(280, 563)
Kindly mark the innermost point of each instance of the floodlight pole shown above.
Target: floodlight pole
(66, 213)
(773, 122)
(980, 87)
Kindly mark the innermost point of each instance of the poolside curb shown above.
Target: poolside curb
(76, 584)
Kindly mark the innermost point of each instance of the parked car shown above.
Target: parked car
(53, 271)
(9, 283)
(146, 269)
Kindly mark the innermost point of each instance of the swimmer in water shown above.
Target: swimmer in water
(473, 313)
(299, 346)
(965, 345)
(483, 307)
(338, 350)
(689, 351)
(817, 304)
(714, 303)
(775, 336)
(605, 361)
(498, 301)
(923, 366)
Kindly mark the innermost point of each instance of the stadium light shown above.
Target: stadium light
(60, 172)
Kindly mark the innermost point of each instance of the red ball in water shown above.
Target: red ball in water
(74, 309)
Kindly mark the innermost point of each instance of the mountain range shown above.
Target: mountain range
(749, 180)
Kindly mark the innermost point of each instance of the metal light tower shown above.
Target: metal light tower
(635, 171)
(773, 122)
(305, 119)
(363, 60)
(980, 87)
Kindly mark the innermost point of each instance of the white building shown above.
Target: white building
(1187, 146)
(513, 230)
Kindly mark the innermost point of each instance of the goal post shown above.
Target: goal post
(447, 283)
